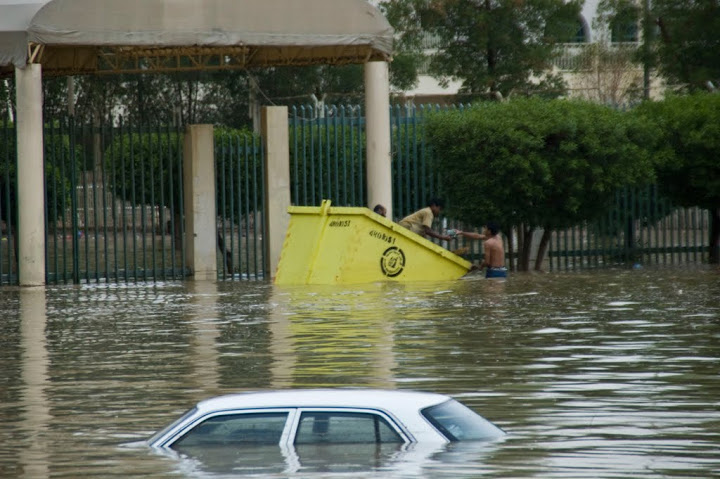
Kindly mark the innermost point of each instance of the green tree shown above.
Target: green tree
(689, 41)
(681, 39)
(498, 46)
(534, 163)
(688, 166)
(59, 168)
(408, 53)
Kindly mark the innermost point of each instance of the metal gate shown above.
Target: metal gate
(240, 180)
(113, 202)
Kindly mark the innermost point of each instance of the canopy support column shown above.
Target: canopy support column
(30, 176)
(277, 183)
(199, 198)
(377, 127)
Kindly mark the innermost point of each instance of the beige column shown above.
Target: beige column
(31, 204)
(377, 128)
(199, 198)
(277, 183)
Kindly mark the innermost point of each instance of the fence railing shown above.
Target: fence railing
(240, 180)
(8, 205)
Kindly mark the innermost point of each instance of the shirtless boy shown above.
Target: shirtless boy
(494, 260)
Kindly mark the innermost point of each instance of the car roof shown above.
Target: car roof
(385, 399)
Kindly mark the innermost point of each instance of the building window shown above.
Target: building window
(581, 34)
(624, 27)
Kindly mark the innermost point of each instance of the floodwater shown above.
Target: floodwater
(603, 374)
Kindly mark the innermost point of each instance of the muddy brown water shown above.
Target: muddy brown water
(604, 374)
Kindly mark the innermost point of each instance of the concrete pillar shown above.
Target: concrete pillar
(30, 178)
(277, 182)
(199, 198)
(377, 130)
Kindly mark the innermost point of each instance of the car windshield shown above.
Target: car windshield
(459, 423)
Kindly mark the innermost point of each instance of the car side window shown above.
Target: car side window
(236, 429)
(344, 428)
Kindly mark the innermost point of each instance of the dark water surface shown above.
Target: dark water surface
(611, 374)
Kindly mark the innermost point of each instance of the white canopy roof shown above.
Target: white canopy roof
(75, 36)
(15, 16)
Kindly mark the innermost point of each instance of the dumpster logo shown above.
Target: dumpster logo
(392, 262)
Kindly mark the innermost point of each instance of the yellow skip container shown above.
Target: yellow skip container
(347, 245)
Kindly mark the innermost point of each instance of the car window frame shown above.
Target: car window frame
(395, 424)
(182, 429)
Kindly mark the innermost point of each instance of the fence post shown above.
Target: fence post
(31, 183)
(199, 196)
(277, 182)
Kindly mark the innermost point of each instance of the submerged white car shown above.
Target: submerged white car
(325, 416)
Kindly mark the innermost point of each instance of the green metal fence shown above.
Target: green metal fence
(114, 199)
(8, 205)
(641, 228)
(113, 203)
(327, 156)
(240, 180)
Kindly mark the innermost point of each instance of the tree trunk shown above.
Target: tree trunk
(715, 236)
(526, 248)
(542, 249)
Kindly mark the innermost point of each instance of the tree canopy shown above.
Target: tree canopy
(687, 157)
(682, 38)
(538, 163)
(494, 46)
(689, 41)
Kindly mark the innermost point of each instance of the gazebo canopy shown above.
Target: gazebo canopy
(15, 17)
(113, 36)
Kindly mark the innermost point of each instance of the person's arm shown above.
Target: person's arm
(430, 232)
(472, 235)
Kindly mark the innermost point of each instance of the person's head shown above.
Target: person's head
(492, 227)
(380, 209)
(436, 205)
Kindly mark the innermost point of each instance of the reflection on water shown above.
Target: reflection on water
(603, 374)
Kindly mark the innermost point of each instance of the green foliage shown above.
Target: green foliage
(687, 156)
(542, 163)
(59, 169)
(408, 49)
(144, 167)
(681, 38)
(689, 41)
(501, 46)
(238, 168)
